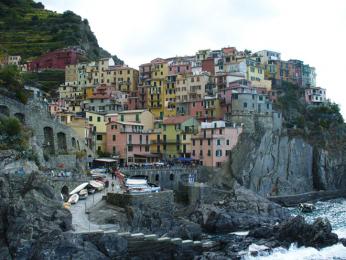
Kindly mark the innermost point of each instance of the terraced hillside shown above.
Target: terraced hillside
(29, 30)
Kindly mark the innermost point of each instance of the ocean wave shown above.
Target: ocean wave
(335, 252)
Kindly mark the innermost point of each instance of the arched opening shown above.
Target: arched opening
(21, 117)
(62, 145)
(48, 143)
(4, 110)
(65, 193)
(73, 141)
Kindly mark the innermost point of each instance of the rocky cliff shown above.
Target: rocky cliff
(279, 164)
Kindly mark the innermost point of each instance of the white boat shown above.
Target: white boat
(79, 188)
(98, 171)
(139, 184)
(97, 185)
(73, 199)
(83, 194)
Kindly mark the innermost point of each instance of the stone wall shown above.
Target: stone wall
(160, 201)
(51, 136)
(166, 178)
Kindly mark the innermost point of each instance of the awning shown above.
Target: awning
(147, 155)
(108, 160)
(184, 159)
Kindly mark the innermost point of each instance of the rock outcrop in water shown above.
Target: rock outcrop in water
(276, 164)
(223, 211)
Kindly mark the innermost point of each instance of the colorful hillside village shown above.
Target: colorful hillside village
(180, 108)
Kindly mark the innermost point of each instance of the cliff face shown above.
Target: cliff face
(275, 164)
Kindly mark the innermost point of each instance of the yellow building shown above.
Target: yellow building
(176, 136)
(161, 91)
(254, 70)
(123, 78)
(155, 139)
(142, 116)
(98, 131)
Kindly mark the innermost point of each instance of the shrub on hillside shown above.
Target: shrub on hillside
(13, 135)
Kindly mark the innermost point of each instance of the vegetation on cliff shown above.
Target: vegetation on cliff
(13, 135)
(11, 83)
(322, 125)
(47, 80)
(29, 30)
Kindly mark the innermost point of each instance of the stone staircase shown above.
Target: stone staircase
(138, 242)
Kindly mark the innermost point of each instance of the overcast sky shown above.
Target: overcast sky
(138, 31)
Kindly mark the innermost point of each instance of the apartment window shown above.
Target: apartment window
(201, 152)
(200, 142)
(98, 119)
(184, 137)
(218, 142)
(209, 153)
(90, 118)
(193, 142)
(209, 142)
(147, 148)
(146, 139)
(178, 147)
(245, 105)
(114, 149)
(140, 139)
(137, 117)
(227, 142)
(220, 131)
(218, 153)
(122, 118)
(193, 153)
(130, 139)
(113, 137)
(99, 137)
(130, 148)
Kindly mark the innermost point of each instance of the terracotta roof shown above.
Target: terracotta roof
(175, 120)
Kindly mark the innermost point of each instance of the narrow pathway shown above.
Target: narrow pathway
(80, 217)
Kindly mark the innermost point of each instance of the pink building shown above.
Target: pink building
(57, 106)
(315, 95)
(179, 67)
(129, 141)
(212, 145)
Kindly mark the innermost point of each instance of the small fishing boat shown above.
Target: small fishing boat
(83, 194)
(97, 185)
(73, 199)
(79, 188)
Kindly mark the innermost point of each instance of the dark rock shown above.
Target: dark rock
(343, 241)
(296, 230)
(111, 245)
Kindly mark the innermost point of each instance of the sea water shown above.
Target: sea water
(335, 211)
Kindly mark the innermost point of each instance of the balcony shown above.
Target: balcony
(209, 107)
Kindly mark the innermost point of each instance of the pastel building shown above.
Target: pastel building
(98, 132)
(315, 95)
(191, 87)
(57, 59)
(144, 117)
(103, 100)
(214, 142)
(129, 141)
(176, 136)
